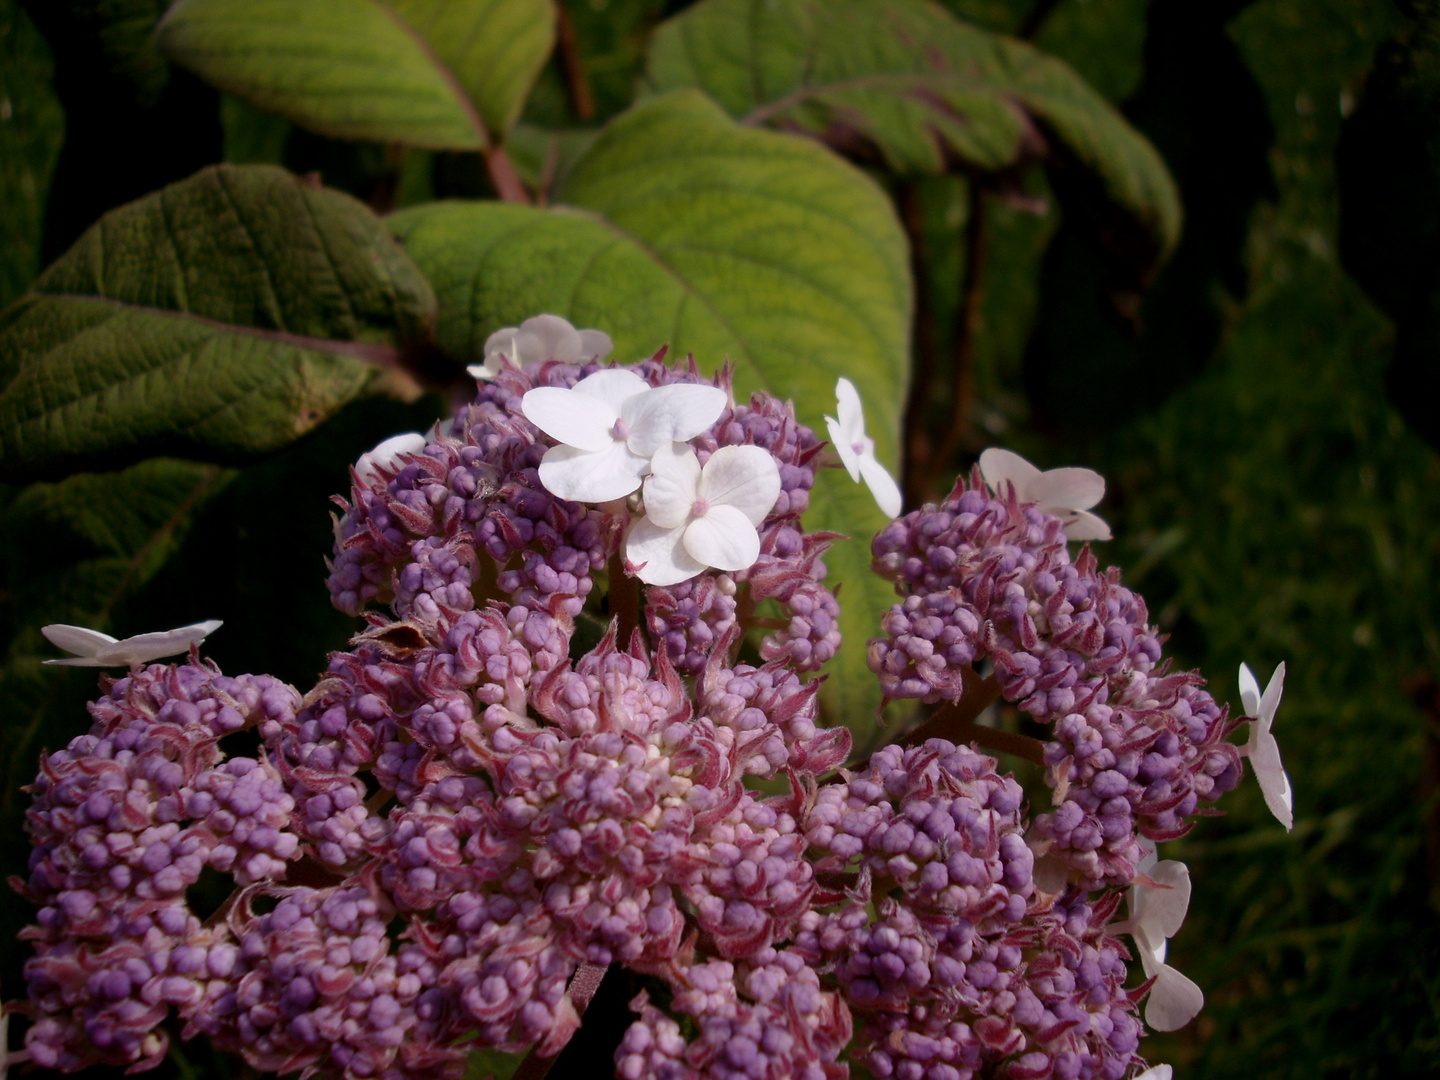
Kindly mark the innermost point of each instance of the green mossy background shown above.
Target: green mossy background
(1267, 496)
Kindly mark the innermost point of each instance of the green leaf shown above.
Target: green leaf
(907, 83)
(425, 73)
(218, 318)
(726, 242)
(32, 127)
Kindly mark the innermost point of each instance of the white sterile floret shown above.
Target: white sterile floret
(537, 339)
(697, 518)
(1261, 748)
(387, 455)
(1157, 1072)
(1064, 493)
(857, 450)
(610, 426)
(94, 649)
(1156, 913)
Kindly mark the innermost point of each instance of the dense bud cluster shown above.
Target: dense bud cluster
(483, 795)
(1135, 747)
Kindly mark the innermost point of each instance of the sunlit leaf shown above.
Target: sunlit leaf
(422, 72)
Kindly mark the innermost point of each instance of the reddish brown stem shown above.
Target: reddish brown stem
(504, 177)
(624, 600)
(581, 992)
(577, 82)
(956, 722)
(967, 328)
(918, 446)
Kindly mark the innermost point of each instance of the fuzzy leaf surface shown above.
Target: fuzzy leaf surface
(426, 73)
(906, 83)
(685, 227)
(219, 318)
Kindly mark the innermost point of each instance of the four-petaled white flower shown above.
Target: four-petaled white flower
(857, 450)
(1064, 493)
(697, 518)
(540, 338)
(610, 426)
(94, 649)
(1156, 912)
(387, 454)
(1261, 748)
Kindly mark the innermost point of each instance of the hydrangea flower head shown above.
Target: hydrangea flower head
(1064, 493)
(857, 450)
(1261, 747)
(94, 649)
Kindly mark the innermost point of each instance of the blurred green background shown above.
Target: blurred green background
(1261, 411)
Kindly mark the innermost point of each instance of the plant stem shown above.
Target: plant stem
(956, 722)
(504, 177)
(624, 600)
(916, 447)
(581, 992)
(577, 82)
(967, 327)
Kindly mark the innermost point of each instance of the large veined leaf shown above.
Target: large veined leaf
(32, 127)
(908, 83)
(219, 318)
(427, 73)
(684, 227)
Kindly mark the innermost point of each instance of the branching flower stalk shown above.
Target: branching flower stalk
(446, 841)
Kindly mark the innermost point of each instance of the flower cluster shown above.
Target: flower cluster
(483, 802)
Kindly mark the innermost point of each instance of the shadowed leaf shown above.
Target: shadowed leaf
(221, 317)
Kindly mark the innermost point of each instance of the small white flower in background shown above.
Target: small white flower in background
(537, 339)
(1156, 913)
(387, 454)
(1064, 493)
(94, 649)
(610, 426)
(697, 518)
(1157, 1072)
(857, 450)
(1261, 748)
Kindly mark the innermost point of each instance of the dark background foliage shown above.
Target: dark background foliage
(1261, 409)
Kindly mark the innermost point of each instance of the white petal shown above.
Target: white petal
(662, 551)
(1273, 780)
(1274, 689)
(614, 386)
(881, 485)
(745, 478)
(1174, 1000)
(595, 345)
(1161, 907)
(844, 447)
(1066, 489)
(1087, 526)
(849, 412)
(570, 417)
(724, 538)
(675, 413)
(486, 371)
(502, 341)
(143, 648)
(549, 338)
(592, 476)
(997, 466)
(387, 454)
(1157, 1072)
(76, 639)
(1249, 691)
(672, 486)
